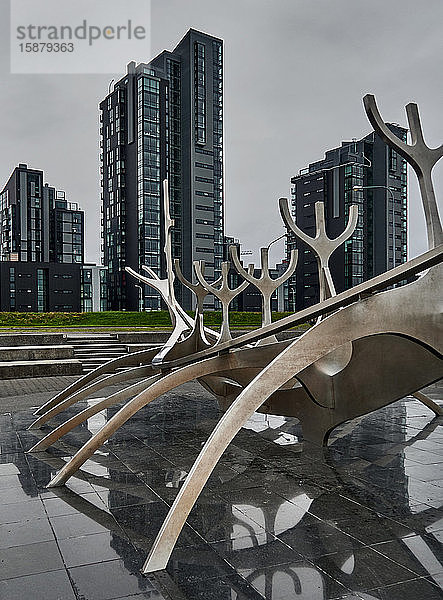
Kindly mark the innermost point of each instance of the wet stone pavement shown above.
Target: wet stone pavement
(279, 519)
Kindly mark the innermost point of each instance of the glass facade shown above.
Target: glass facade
(86, 290)
(366, 173)
(199, 93)
(174, 154)
(7, 244)
(33, 206)
(217, 111)
(93, 288)
(103, 290)
(37, 223)
(398, 209)
(148, 180)
(172, 110)
(68, 234)
(354, 252)
(42, 290)
(113, 173)
(12, 297)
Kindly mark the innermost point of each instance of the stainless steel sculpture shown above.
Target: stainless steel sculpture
(200, 292)
(224, 293)
(421, 158)
(321, 244)
(181, 322)
(265, 284)
(369, 347)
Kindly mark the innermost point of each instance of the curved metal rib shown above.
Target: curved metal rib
(64, 428)
(242, 359)
(252, 397)
(160, 387)
(90, 389)
(436, 408)
(329, 335)
(128, 360)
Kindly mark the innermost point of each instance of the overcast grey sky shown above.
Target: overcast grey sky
(295, 73)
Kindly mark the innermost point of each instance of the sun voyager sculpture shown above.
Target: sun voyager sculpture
(370, 346)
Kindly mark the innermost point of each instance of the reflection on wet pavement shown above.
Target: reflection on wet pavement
(279, 519)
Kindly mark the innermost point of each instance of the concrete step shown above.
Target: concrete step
(95, 350)
(92, 336)
(113, 347)
(110, 349)
(19, 369)
(95, 354)
(31, 339)
(96, 344)
(149, 337)
(27, 353)
(97, 359)
(137, 347)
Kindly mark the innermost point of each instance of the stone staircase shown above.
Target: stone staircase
(94, 350)
(42, 354)
(46, 354)
(36, 355)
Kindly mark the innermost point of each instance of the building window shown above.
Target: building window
(201, 207)
(12, 288)
(199, 93)
(42, 290)
(86, 290)
(392, 160)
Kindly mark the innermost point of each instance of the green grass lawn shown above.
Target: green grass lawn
(154, 319)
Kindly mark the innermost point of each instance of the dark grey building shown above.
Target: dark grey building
(365, 172)
(163, 119)
(40, 287)
(41, 246)
(37, 223)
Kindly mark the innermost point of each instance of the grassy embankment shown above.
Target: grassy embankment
(118, 320)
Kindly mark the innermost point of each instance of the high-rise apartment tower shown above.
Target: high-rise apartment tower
(365, 172)
(163, 119)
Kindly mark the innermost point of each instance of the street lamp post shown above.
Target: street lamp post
(276, 240)
(389, 190)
